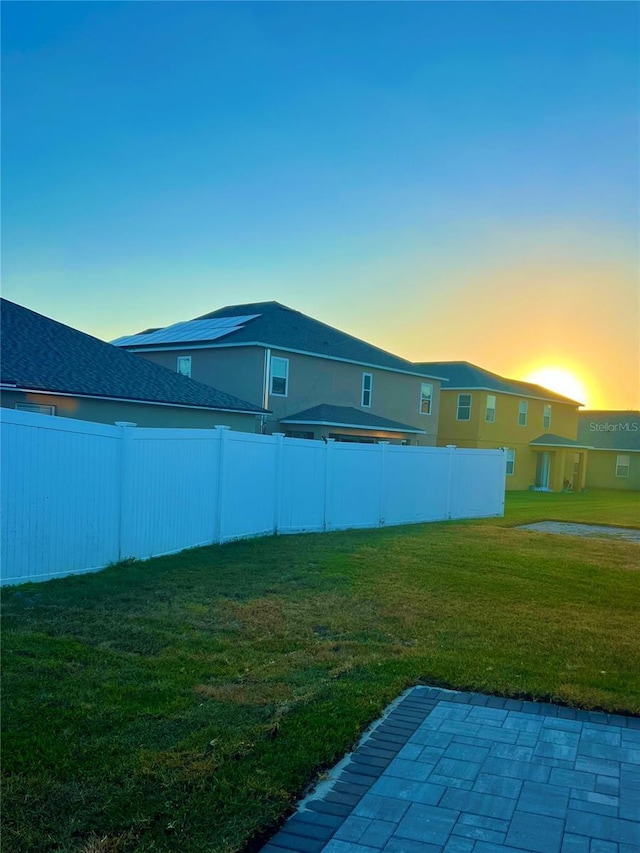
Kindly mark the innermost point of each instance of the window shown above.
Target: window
(522, 412)
(367, 388)
(279, 376)
(546, 418)
(35, 407)
(464, 407)
(184, 365)
(426, 396)
(511, 461)
(622, 465)
(490, 411)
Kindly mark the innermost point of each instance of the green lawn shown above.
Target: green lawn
(185, 703)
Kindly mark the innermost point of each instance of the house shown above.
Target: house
(614, 458)
(538, 427)
(52, 369)
(317, 382)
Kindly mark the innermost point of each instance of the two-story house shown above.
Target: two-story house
(538, 427)
(317, 381)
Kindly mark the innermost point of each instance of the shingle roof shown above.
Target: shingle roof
(610, 430)
(551, 440)
(43, 355)
(464, 375)
(280, 327)
(347, 416)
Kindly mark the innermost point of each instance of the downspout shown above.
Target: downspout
(265, 384)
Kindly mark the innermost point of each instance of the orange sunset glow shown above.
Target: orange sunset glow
(562, 381)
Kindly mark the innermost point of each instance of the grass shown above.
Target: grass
(185, 703)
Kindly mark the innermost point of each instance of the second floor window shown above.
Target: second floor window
(367, 390)
(184, 365)
(464, 407)
(522, 413)
(426, 397)
(490, 411)
(279, 376)
(546, 418)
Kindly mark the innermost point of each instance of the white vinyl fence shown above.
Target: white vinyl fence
(77, 496)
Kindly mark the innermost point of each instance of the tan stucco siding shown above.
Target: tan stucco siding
(108, 412)
(314, 381)
(234, 370)
(601, 472)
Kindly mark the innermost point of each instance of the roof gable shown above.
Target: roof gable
(463, 375)
(40, 354)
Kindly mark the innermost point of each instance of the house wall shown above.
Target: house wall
(312, 382)
(505, 431)
(234, 370)
(144, 415)
(601, 473)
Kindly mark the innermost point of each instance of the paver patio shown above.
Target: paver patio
(452, 772)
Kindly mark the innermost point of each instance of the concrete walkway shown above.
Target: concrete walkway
(448, 772)
(593, 531)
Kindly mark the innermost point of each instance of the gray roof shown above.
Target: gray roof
(280, 327)
(40, 354)
(463, 375)
(347, 416)
(548, 439)
(610, 430)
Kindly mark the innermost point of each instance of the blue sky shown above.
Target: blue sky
(447, 180)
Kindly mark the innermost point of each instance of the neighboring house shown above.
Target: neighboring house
(614, 458)
(318, 382)
(538, 427)
(52, 369)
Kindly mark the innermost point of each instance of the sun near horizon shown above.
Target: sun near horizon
(563, 381)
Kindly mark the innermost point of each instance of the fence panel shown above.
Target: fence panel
(170, 490)
(303, 479)
(248, 495)
(355, 485)
(416, 481)
(478, 483)
(60, 496)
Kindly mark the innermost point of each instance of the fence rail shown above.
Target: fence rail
(77, 496)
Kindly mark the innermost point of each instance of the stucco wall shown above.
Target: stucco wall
(601, 471)
(108, 412)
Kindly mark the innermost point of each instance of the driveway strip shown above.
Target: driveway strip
(453, 772)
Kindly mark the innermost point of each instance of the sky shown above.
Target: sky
(446, 180)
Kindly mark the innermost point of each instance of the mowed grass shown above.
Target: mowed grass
(185, 703)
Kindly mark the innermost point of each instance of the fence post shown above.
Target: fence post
(383, 485)
(328, 484)
(218, 529)
(279, 463)
(452, 449)
(125, 549)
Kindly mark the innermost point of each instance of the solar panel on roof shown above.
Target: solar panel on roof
(189, 331)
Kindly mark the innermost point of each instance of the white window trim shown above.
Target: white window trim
(273, 393)
(626, 465)
(186, 358)
(368, 391)
(430, 397)
(458, 418)
(524, 403)
(511, 450)
(37, 408)
(546, 418)
(488, 409)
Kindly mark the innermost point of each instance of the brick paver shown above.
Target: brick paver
(450, 772)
